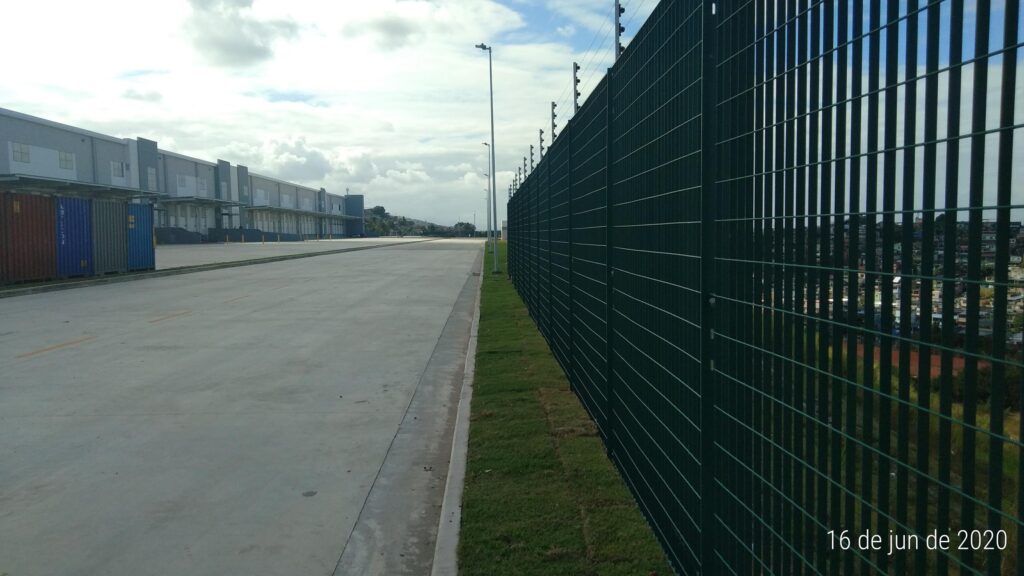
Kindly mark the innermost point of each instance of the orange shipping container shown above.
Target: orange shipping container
(28, 247)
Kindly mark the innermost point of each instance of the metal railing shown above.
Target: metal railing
(776, 253)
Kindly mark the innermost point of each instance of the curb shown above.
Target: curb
(132, 276)
(446, 546)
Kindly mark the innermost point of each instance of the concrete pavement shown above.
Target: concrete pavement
(241, 421)
(178, 255)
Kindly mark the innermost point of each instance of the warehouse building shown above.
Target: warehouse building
(334, 207)
(46, 156)
(191, 201)
(194, 200)
(353, 204)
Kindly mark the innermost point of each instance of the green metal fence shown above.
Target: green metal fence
(777, 253)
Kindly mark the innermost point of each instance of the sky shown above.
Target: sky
(387, 98)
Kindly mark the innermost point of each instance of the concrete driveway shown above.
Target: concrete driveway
(286, 418)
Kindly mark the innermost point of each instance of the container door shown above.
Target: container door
(110, 236)
(74, 237)
(31, 238)
(141, 253)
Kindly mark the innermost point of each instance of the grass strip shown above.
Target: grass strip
(541, 496)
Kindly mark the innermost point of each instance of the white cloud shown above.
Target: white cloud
(388, 98)
(225, 33)
(145, 96)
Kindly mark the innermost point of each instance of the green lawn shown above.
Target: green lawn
(541, 496)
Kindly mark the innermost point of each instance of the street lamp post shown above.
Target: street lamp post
(493, 183)
(488, 192)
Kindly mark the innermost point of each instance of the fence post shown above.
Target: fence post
(609, 271)
(549, 333)
(508, 244)
(570, 187)
(708, 421)
(509, 256)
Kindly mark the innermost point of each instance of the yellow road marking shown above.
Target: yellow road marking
(55, 347)
(169, 316)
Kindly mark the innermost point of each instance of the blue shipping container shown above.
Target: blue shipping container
(141, 254)
(74, 237)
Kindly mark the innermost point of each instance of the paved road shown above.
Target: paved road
(178, 255)
(286, 418)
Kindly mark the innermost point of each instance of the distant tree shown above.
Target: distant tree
(464, 229)
(377, 226)
(378, 221)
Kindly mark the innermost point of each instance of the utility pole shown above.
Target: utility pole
(619, 29)
(575, 87)
(553, 124)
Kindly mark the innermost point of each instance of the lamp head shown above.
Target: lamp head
(483, 46)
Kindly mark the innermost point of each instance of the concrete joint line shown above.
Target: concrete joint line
(447, 544)
(130, 276)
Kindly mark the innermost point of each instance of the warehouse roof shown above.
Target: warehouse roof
(58, 186)
(187, 158)
(284, 182)
(198, 200)
(58, 125)
(303, 212)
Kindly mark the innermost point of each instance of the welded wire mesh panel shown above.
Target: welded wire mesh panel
(872, 369)
(521, 268)
(510, 254)
(537, 204)
(523, 245)
(589, 162)
(512, 209)
(735, 493)
(531, 291)
(816, 285)
(539, 257)
(512, 248)
(656, 274)
(556, 163)
(517, 239)
(543, 315)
